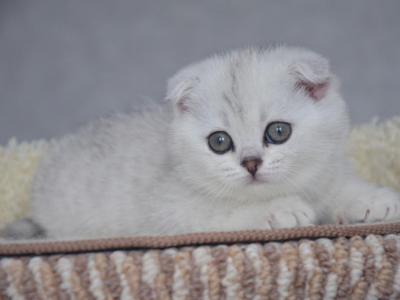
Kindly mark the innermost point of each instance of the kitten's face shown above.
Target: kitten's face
(245, 127)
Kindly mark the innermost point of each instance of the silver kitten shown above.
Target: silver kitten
(251, 139)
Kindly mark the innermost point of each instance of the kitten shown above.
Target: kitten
(251, 139)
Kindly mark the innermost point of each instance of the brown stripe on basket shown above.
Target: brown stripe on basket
(61, 293)
(168, 268)
(322, 259)
(48, 280)
(262, 269)
(3, 283)
(289, 265)
(358, 260)
(341, 268)
(80, 265)
(386, 274)
(217, 271)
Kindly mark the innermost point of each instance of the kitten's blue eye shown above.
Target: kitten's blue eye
(220, 142)
(277, 132)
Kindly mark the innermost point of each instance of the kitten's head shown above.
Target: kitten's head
(256, 122)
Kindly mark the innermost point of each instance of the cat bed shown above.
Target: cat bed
(318, 262)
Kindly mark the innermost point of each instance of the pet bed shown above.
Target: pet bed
(318, 262)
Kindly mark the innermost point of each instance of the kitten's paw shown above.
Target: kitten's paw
(379, 206)
(289, 216)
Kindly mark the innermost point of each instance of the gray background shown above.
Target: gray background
(63, 63)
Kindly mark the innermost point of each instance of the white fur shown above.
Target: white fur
(153, 173)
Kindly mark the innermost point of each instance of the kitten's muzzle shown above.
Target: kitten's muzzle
(251, 164)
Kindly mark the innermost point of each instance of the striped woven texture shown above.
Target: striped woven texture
(342, 268)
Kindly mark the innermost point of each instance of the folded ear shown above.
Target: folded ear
(179, 88)
(313, 75)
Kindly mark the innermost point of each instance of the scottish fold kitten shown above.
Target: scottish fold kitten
(251, 139)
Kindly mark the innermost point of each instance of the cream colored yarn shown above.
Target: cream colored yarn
(374, 147)
(18, 162)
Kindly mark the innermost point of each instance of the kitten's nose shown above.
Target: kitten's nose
(251, 164)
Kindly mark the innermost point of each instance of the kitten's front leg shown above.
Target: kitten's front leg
(360, 202)
(290, 212)
(285, 212)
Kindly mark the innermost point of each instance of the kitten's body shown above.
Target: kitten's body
(153, 173)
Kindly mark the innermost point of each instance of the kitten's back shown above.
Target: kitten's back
(102, 170)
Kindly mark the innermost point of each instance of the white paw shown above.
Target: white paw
(290, 216)
(378, 206)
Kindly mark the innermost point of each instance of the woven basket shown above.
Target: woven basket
(319, 262)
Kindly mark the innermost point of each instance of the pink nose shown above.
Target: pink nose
(251, 164)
